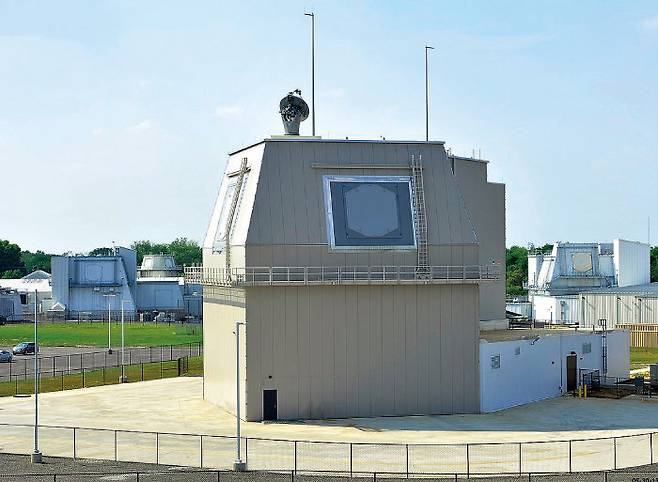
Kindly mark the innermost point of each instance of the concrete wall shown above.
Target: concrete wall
(631, 260)
(485, 202)
(343, 351)
(538, 371)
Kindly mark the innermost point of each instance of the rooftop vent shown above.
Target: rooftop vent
(293, 110)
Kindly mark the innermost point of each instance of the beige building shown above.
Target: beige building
(358, 267)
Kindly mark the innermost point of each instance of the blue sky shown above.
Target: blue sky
(116, 117)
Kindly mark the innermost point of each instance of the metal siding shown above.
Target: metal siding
(372, 344)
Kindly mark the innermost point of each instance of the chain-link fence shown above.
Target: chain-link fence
(344, 458)
(251, 476)
(57, 365)
(61, 380)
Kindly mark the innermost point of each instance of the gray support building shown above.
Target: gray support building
(357, 266)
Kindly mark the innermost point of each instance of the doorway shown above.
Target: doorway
(269, 405)
(572, 372)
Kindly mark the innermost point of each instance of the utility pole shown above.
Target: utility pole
(238, 465)
(123, 378)
(427, 91)
(109, 321)
(312, 15)
(35, 458)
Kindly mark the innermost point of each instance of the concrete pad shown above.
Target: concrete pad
(176, 406)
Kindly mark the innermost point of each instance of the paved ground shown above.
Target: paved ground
(176, 406)
(73, 359)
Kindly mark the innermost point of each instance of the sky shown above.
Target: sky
(116, 118)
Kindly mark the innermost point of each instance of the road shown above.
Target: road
(55, 360)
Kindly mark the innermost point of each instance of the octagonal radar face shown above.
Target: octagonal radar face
(293, 110)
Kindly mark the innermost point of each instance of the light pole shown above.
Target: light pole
(312, 15)
(238, 465)
(35, 458)
(109, 321)
(427, 101)
(123, 378)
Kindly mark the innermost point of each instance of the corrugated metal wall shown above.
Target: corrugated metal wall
(343, 351)
(620, 308)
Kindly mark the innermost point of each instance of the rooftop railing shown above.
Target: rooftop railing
(334, 275)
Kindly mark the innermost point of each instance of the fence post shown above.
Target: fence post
(201, 451)
(295, 456)
(468, 461)
(142, 372)
(157, 448)
(520, 459)
(407, 454)
(74, 452)
(569, 456)
(83, 378)
(351, 460)
(614, 441)
(651, 447)
(116, 450)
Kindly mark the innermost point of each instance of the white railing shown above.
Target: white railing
(253, 276)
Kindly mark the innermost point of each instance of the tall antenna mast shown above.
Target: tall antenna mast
(312, 15)
(427, 100)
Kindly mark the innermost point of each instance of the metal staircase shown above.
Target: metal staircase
(231, 214)
(420, 216)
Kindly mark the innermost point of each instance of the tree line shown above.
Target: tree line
(15, 262)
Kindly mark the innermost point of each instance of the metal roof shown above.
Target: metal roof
(645, 289)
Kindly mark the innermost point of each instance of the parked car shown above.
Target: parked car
(25, 348)
(5, 356)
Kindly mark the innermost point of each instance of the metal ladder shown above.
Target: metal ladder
(420, 216)
(231, 215)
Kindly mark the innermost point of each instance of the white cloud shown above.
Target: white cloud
(97, 131)
(650, 23)
(228, 111)
(143, 126)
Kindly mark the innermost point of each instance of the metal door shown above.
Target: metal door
(572, 372)
(269, 405)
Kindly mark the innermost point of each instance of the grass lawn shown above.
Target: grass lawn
(642, 357)
(94, 378)
(95, 334)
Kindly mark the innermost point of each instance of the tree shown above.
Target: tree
(10, 258)
(35, 261)
(185, 251)
(653, 262)
(516, 261)
(101, 252)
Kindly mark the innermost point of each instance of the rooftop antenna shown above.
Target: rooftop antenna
(427, 101)
(293, 111)
(312, 15)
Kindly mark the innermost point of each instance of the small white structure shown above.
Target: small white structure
(38, 281)
(519, 367)
(556, 280)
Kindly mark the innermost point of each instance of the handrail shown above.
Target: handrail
(306, 275)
